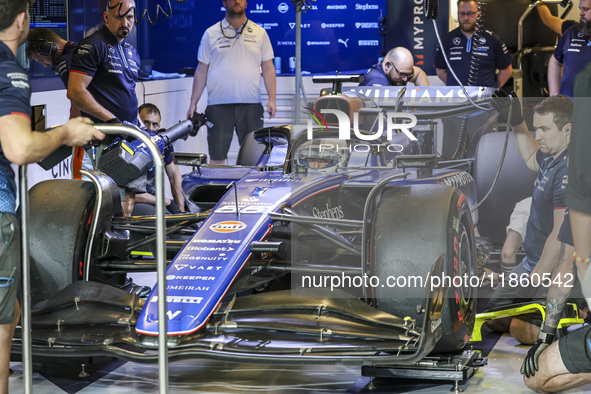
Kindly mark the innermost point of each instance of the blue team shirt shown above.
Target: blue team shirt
(375, 76)
(573, 51)
(15, 98)
(548, 195)
(491, 52)
(114, 71)
(65, 64)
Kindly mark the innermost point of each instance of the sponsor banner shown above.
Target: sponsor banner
(408, 27)
(338, 35)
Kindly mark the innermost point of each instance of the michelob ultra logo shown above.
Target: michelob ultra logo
(394, 121)
(228, 227)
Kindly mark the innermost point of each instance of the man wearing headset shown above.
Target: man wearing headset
(231, 55)
(104, 74)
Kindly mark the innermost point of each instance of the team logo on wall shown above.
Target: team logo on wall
(457, 41)
(283, 8)
(230, 226)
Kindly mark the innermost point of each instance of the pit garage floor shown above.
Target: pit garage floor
(113, 376)
(501, 375)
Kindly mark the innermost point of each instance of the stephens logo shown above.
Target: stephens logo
(227, 227)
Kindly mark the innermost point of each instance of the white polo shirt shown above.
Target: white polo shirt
(234, 74)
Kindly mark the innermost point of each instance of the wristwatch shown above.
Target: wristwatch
(547, 333)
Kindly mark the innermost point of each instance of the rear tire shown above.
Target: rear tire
(412, 227)
(515, 183)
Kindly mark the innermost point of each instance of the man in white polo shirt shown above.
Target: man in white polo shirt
(231, 56)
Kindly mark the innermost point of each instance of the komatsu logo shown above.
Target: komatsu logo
(228, 227)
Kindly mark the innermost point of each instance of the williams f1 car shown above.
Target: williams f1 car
(318, 248)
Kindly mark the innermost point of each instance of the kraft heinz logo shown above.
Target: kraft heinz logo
(228, 227)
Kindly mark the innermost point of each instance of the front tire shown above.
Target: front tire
(413, 226)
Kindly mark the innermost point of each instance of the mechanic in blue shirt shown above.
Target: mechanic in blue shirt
(460, 48)
(104, 74)
(572, 53)
(547, 154)
(20, 145)
(397, 69)
(48, 48)
(105, 69)
(150, 117)
(566, 363)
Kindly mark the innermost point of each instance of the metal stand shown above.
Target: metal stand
(160, 260)
(445, 368)
(26, 305)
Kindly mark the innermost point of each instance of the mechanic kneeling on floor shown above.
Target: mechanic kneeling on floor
(547, 154)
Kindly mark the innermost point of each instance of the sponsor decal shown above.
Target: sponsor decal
(336, 7)
(171, 315)
(259, 9)
(190, 277)
(314, 43)
(286, 43)
(303, 25)
(242, 209)
(82, 51)
(116, 71)
(418, 29)
(365, 7)
(366, 25)
(180, 300)
(332, 25)
(457, 180)
(188, 288)
(481, 40)
(201, 258)
(230, 226)
(368, 43)
(283, 8)
(111, 49)
(198, 267)
(210, 248)
(269, 26)
(328, 212)
(217, 241)
(457, 41)
(344, 42)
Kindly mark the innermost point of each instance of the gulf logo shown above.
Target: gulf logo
(228, 227)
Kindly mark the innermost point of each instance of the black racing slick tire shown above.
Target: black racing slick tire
(411, 227)
(250, 151)
(515, 183)
(60, 212)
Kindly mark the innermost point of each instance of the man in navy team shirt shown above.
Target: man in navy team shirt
(20, 145)
(104, 74)
(572, 53)
(397, 69)
(459, 46)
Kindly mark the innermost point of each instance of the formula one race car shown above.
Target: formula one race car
(334, 245)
